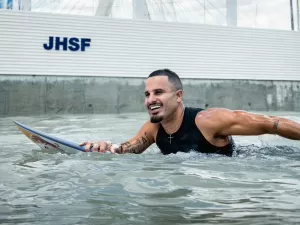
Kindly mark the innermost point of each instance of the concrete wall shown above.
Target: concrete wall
(39, 95)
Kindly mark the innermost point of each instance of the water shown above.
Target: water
(259, 185)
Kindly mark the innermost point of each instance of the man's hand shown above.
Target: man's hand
(138, 144)
(99, 146)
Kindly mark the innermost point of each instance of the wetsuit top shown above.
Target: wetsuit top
(189, 137)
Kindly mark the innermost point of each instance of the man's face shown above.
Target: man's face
(161, 98)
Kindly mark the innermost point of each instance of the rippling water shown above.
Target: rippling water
(259, 185)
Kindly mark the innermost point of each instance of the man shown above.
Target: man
(174, 127)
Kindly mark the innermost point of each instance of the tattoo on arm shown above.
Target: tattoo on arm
(275, 125)
(137, 146)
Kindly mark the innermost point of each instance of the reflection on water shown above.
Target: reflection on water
(259, 185)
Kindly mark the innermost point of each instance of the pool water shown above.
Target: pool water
(259, 185)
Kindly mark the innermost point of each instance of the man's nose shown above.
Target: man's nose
(151, 98)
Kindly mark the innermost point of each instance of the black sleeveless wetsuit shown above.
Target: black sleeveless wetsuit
(188, 138)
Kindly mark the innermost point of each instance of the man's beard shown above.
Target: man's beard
(156, 119)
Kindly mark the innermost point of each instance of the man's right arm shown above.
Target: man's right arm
(137, 144)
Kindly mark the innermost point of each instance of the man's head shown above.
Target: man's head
(163, 94)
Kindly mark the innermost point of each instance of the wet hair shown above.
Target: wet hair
(172, 77)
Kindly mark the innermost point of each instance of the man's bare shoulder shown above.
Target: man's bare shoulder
(220, 114)
(217, 119)
(150, 128)
(212, 113)
(214, 117)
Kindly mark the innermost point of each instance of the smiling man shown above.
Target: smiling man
(176, 128)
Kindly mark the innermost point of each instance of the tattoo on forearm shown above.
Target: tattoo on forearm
(275, 125)
(138, 146)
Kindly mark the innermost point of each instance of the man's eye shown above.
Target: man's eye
(146, 94)
(158, 92)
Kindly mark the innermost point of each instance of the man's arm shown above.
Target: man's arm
(224, 122)
(140, 142)
(137, 144)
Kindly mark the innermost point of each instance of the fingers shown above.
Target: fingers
(103, 148)
(96, 146)
(83, 143)
(88, 146)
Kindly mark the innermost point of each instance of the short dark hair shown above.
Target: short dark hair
(172, 77)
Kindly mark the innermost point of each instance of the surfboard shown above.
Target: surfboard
(46, 141)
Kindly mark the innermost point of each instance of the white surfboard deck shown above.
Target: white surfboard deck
(46, 141)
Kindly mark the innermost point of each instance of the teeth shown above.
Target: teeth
(155, 107)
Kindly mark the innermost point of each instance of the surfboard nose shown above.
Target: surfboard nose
(45, 140)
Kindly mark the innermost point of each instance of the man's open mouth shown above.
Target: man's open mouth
(155, 106)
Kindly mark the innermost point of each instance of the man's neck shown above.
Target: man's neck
(173, 124)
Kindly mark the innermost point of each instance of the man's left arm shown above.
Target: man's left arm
(226, 122)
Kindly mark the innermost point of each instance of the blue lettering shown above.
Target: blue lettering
(50, 44)
(63, 43)
(74, 46)
(85, 42)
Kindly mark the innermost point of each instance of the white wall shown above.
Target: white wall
(131, 48)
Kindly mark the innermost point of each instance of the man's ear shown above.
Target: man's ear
(179, 95)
